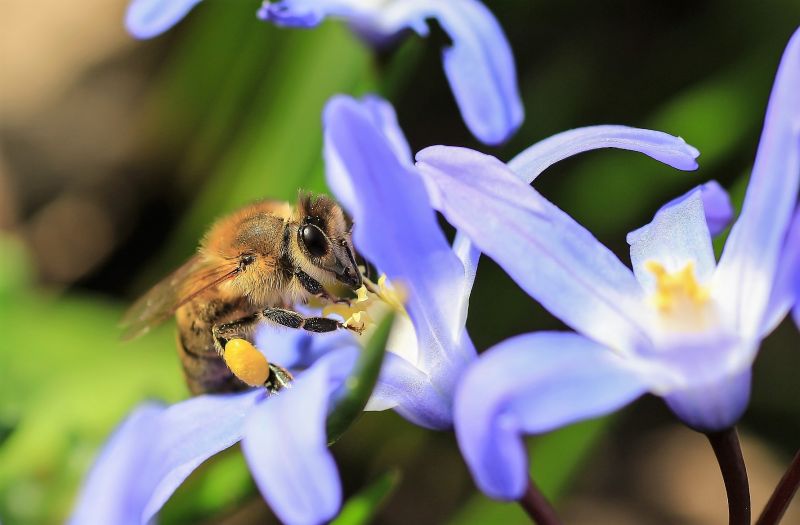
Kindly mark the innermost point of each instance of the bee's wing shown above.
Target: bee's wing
(159, 304)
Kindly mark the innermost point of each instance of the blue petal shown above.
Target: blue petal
(786, 291)
(530, 384)
(286, 446)
(111, 493)
(297, 349)
(479, 65)
(397, 230)
(750, 259)
(480, 69)
(660, 146)
(149, 18)
(548, 254)
(291, 13)
(677, 236)
(154, 451)
(409, 391)
(714, 406)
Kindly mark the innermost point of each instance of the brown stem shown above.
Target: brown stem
(784, 492)
(729, 456)
(538, 508)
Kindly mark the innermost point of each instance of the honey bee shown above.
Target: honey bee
(251, 266)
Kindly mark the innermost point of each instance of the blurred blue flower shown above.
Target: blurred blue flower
(370, 171)
(680, 325)
(478, 64)
(283, 439)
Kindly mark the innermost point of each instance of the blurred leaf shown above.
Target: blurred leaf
(67, 380)
(221, 483)
(715, 116)
(554, 457)
(275, 150)
(359, 385)
(15, 272)
(361, 508)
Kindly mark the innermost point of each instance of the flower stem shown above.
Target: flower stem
(729, 456)
(536, 505)
(784, 492)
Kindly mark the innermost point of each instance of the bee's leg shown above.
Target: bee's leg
(222, 333)
(278, 379)
(293, 319)
(315, 288)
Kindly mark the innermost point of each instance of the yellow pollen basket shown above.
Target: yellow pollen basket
(368, 297)
(676, 290)
(247, 363)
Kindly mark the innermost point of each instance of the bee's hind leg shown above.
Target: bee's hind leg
(278, 379)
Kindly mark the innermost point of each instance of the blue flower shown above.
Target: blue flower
(479, 64)
(157, 447)
(680, 325)
(370, 171)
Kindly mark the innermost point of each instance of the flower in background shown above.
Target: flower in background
(283, 439)
(478, 64)
(370, 171)
(680, 325)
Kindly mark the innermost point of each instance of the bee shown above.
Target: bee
(252, 266)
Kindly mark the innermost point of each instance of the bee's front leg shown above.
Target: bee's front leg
(292, 319)
(316, 289)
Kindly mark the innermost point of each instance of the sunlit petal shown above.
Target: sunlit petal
(663, 147)
(149, 18)
(750, 259)
(531, 384)
(397, 230)
(548, 254)
(285, 444)
(677, 236)
(786, 290)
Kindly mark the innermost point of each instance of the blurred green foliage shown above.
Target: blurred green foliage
(233, 115)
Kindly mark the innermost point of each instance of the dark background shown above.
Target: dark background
(117, 154)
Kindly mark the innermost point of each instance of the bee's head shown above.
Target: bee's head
(324, 244)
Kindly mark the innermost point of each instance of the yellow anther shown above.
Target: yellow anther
(247, 363)
(357, 313)
(677, 289)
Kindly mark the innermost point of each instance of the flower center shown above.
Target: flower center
(369, 298)
(682, 302)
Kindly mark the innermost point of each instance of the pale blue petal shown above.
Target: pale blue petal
(661, 146)
(111, 493)
(715, 406)
(154, 451)
(149, 18)
(677, 236)
(297, 349)
(479, 65)
(405, 388)
(786, 290)
(469, 255)
(286, 445)
(480, 68)
(397, 230)
(553, 258)
(531, 384)
(291, 14)
(716, 206)
(750, 259)
(188, 433)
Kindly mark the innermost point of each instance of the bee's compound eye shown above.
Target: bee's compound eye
(314, 240)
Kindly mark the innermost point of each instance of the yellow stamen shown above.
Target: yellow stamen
(677, 289)
(247, 363)
(368, 297)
